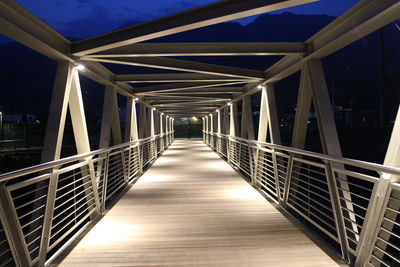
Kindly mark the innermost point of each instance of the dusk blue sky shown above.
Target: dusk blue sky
(85, 18)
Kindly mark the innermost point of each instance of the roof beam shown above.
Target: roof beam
(218, 12)
(208, 90)
(164, 98)
(224, 96)
(204, 49)
(188, 102)
(176, 87)
(182, 65)
(201, 91)
(174, 77)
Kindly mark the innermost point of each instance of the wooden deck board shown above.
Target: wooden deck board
(191, 208)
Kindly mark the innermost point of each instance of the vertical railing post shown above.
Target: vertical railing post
(12, 229)
(140, 159)
(48, 217)
(125, 171)
(105, 182)
(288, 179)
(93, 181)
(276, 175)
(337, 211)
(251, 159)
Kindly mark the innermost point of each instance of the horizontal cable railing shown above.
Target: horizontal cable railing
(45, 207)
(353, 204)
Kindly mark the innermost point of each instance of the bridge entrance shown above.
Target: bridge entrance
(188, 128)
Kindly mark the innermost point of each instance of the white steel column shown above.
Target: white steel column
(131, 129)
(247, 129)
(330, 145)
(234, 120)
(143, 128)
(219, 121)
(57, 113)
(78, 118)
(225, 120)
(110, 120)
(161, 123)
(303, 106)
(152, 129)
(268, 117)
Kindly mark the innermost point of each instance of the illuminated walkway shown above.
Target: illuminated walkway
(191, 208)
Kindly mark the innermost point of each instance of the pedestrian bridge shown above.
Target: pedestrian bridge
(236, 197)
(217, 201)
(191, 208)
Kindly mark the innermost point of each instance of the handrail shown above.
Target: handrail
(40, 167)
(357, 163)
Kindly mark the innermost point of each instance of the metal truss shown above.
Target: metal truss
(209, 91)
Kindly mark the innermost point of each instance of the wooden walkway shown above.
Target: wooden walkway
(191, 208)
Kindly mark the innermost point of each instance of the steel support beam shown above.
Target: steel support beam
(234, 120)
(110, 120)
(182, 65)
(268, 117)
(131, 127)
(206, 15)
(203, 49)
(176, 87)
(58, 112)
(143, 129)
(174, 77)
(247, 127)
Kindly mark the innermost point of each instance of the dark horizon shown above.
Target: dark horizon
(86, 18)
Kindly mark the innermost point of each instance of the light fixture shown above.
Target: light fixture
(260, 86)
(194, 118)
(230, 104)
(79, 66)
(153, 108)
(136, 99)
(162, 113)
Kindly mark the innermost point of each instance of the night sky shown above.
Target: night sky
(85, 18)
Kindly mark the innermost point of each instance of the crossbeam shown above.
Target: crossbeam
(204, 49)
(174, 77)
(182, 65)
(175, 87)
(206, 15)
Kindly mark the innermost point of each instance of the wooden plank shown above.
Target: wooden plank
(191, 208)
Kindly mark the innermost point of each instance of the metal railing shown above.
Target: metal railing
(353, 204)
(45, 207)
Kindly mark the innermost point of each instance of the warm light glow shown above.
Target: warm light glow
(195, 118)
(109, 231)
(154, 108)
(260, 86)
(245, 192)
(79, 66)
(136, 99)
